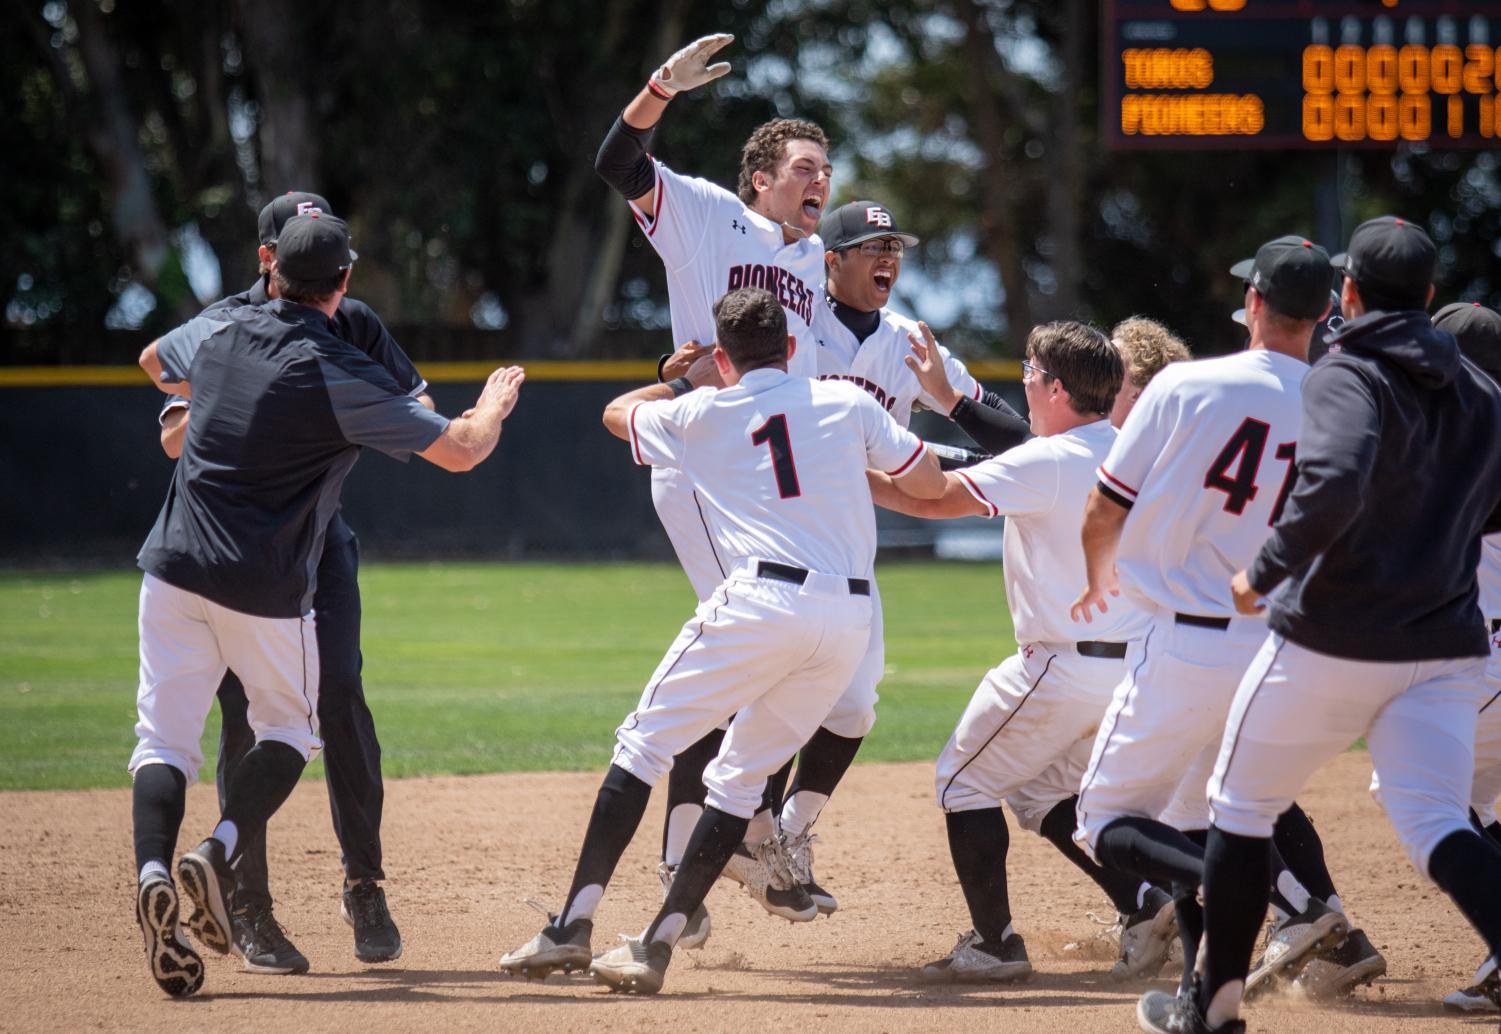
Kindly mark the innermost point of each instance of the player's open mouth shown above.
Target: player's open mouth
(883, 280)
(813, 207)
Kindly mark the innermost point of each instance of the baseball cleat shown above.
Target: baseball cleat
(175, 966)
(207, 881)
(1317, 928)
(363, 907)
(973, 962)
(555, 949)
(800, 859)
(262, 945)
(1484, 995)
(633, 967)
(1147, 937)
(766, 875)
(696, 933)
(1158, 1012)
(1337, 971)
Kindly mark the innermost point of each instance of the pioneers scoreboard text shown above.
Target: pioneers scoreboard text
(1301, 73)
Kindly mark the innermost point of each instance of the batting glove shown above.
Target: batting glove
(688, 69)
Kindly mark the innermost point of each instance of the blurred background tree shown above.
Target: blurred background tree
(142, 137)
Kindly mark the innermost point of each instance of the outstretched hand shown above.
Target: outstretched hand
(1093, 597)
(502, 389)
(689, 68)
(927, 363)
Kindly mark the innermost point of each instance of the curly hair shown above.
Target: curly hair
(767, 146)
(1146, 347)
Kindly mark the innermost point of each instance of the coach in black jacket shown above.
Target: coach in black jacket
(1377, 631)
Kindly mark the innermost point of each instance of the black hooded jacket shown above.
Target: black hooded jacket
(1399, 472)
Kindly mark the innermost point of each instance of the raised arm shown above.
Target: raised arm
(468, 440)
(622, 161)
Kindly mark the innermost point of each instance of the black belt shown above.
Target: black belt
(1091, 648)
(797, 576)
(1202, 622)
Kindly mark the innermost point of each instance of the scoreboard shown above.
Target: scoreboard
(1301, 73)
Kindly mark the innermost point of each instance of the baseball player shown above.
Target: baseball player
(1393, 402)
(351, 750)
(777, 461)
(1041, 705)
(281, 405)
(1478, 331)
(1146, 346)
(1189, 489)
(711, 241)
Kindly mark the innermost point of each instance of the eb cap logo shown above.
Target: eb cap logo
(878, 217)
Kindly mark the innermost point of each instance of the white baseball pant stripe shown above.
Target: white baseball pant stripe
(1166, 713)
(1038, 706)
(773, 654)
(1297, 708)
(186, 643)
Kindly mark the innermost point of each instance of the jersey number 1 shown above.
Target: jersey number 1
(774, 432)
(1244, 450)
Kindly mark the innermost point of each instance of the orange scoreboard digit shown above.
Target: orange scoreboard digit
(1301, 73)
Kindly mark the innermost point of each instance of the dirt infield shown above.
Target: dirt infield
(462, 852)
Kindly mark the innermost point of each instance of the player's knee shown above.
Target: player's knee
(956, 795)
(1421, 820)
(732, 795)
(1245, 818)
(639, 759)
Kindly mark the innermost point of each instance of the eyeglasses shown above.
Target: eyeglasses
(880, 246)
(1030, 368)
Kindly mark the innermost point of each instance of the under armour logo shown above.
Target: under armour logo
(736, 224)
(878, 217)
(1027, 651)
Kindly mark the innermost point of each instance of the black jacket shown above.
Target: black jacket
(1399, 472)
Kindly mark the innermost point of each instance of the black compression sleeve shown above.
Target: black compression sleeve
(993, 425)
(622, 161)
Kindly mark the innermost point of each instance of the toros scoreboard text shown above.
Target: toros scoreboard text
(1301, 73)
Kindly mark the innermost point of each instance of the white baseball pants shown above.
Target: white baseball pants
(680, 511)
(1296, 708)
(1040, 707)
(1487, 783)
(1167, 714)
(186, 642)
(773, 654)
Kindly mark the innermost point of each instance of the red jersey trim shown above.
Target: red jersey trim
(656, 214)
(990, 508)
(899, 471)
(1117, 482)
(635, 441)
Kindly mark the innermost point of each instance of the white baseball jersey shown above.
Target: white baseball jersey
(1205, 461)
(711, 243)
(1041, 487)
(750, 449)
(877, 363)
(1490, 576)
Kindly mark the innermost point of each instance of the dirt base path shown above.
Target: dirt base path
(462, 852)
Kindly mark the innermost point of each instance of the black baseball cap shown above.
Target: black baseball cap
(1292, 273)
(1391, 258)
(314, 247)
(858, 222)
(294, 202)
(1478, 330)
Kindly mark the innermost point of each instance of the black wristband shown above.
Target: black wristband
(661, 363)
(680, 386)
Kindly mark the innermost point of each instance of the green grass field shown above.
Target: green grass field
(470, 667)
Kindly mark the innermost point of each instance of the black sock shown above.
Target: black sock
(776, 784)
(157, 799)
(823, 761)
(1197, 837)
(978, 841)
(1303, 852)
(1151, 850)
(1190, 927)
(1468, 868)
(685, 784)
(1237, 872)
(710, 847)
(1494, 832)
(262, 781)
(618, 808)
(1058, 829)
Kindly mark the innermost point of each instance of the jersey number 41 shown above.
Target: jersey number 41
(1243, 452)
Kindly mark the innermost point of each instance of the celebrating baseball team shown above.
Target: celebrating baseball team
(1221, 573)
